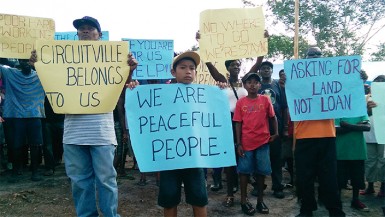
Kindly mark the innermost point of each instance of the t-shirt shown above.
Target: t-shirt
(351, 145)
(241, 92)
(254, 115)
(370, 136)
(24, 94)
(314, 129)
(89, 129)
(278, 99)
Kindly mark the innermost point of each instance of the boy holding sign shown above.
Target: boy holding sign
(253, 114)
(184, 71)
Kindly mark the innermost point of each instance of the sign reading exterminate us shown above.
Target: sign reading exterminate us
(176, 126)
(324, 88)
(82, 77)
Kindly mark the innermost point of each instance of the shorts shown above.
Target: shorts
(353, 170)
(255, 161)
(170, 187)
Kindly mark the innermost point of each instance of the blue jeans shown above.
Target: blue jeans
(87, 165)
(255, 161)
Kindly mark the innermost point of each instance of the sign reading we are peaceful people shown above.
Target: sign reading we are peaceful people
(74, 36)
(154, 56)
(324, 88)
(232, 34)
(82, 77)
(19, 33)
(176, 126)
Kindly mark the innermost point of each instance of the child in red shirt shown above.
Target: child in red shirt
(253, 115)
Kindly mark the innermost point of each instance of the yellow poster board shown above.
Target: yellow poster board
(203, 75)
(82, 77)
(227, 34)
(19, 33)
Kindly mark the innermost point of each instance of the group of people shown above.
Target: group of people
(262, 131)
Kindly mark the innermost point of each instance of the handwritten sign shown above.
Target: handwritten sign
(19, 33)
(74, 36)
(175, 126)
(232, 34)
(154, 56)
(324, 88)
(82, 77)
(203, 75)
(378, 96)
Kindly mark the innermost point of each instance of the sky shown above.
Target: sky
(138, 19)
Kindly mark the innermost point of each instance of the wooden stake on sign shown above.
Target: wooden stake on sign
(296, 20)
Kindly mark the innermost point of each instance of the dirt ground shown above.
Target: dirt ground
(52, 197)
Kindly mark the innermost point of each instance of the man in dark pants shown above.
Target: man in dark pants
(23, 110)
(315, 156)
(273, 90)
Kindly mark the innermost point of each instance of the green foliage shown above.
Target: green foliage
(380, 54)
(339, 27)
(281, 47)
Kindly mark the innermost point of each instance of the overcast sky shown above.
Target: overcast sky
(141, 19)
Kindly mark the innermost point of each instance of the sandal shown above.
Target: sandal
(262, 208)
(229, 202)
(142, 182)
(367, 192)
(247, 208)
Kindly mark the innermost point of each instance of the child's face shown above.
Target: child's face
(252, 86)
(184, 72)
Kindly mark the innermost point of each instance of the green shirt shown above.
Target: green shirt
(352, 145)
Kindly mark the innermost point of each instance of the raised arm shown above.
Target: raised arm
(215, 73)
(133, 63)
(257, 65)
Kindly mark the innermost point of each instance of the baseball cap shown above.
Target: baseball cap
(250, 75)
(267, 63)
(188, 54)
(87, 20)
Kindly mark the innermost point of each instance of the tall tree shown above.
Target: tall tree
(281, 47)
(339, 27)
(379, 55)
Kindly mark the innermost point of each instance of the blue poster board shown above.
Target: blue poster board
(378, 96)
(324, 88)
(176, 126)
(154, 57)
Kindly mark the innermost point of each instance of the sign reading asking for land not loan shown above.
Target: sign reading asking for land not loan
(227, 34)
(19, 33)
(176, 126)
(325, 88)
(82, 77)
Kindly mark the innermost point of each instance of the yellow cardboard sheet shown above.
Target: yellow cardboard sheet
(232, 34)
(19, 33)
(82, 77)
